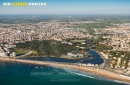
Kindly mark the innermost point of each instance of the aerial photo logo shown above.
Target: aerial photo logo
(25, 4)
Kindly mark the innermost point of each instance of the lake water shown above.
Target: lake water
(97, 59)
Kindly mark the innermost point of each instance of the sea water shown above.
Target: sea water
(27, 74)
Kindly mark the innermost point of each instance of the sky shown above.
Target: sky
(69, 7)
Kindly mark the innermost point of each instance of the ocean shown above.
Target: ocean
(27, 74)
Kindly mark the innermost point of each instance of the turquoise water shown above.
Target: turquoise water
(26, 74)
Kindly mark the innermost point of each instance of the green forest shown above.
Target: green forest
(46, 47)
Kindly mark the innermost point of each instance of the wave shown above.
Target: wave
(84, 75)
(87, 74)
(91, 75)
(36, 67)
(121, 82)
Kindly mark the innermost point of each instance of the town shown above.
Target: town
(112, 43)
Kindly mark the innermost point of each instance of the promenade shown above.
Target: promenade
(94, 70)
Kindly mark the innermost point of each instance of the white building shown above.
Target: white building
(13, 54)
(118, 62)
(3, 54)
(75, 55)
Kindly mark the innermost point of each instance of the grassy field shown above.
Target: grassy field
(77, 41)
(20, 51)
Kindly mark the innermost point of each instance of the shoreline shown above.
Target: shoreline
(96, 71)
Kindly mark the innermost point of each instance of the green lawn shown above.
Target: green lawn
(77, 41)
(20, 51)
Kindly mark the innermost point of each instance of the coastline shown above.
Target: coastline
(97, 71)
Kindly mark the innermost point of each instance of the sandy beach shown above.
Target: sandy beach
(101, 72)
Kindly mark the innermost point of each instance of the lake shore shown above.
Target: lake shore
(97, 71)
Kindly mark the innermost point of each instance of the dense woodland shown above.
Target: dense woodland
(46, 47)
(55, 48)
